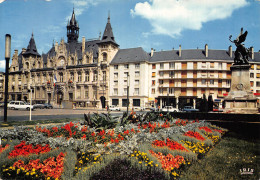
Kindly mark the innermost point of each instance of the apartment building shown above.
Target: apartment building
(129, 68)
(181, 77)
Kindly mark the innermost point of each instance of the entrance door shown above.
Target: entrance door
(103, 101)
(59, 97)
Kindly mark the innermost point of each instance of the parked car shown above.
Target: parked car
(169, 109)
(189, 109)
(2, 104)
(114, 108)
(19, 105)
(139, 108)
(217, 109)
(38, 106)
(48, 106)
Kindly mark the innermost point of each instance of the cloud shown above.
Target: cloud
(81, 5)
(2, 1)
(2, 64)
(48, 0)
(52, 29)
(171, 17)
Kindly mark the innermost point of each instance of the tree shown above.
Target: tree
(204, 104)
(210, 103)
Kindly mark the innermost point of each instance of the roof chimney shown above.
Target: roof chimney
(56, 46)
(206, 50)
(252, 55)
(23, 50)
(230, 51)
(83, 44)
(179, 50)
(151, 52)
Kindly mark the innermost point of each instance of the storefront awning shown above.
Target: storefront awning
(151, 99)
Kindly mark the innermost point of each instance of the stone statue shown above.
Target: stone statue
(241, 53)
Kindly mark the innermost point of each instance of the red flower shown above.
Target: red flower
(93, 134)
(194, 135)
(132, 130)
(23, 149)
(126, 132)
(220, 131)
(205, 129)
(101, 133)
(83, 137)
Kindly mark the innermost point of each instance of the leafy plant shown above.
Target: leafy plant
(101, 121)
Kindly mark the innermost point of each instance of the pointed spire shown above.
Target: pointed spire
(73, 28)
(31, 48)
(108, 35)
(108, 18)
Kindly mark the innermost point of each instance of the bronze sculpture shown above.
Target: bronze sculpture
(241, 53)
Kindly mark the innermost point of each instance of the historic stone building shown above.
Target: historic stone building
(69, 73)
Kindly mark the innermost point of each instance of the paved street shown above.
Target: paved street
(42, 114)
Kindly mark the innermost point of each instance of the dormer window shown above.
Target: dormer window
(104, 56)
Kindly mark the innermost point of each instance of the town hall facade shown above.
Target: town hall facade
(70, 73)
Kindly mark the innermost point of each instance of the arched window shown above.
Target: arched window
(79, 77)
(27, 65)
(104, 56)
(87, 76)
(51, 63)
(61, 77)
(95, 77)
(72, 61)
(79, 61)
(39, 64)
(87, 59)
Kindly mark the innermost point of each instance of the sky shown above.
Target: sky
(157, 24)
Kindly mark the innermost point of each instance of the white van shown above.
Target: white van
(19, 105)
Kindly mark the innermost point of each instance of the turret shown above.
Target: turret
(72, 29)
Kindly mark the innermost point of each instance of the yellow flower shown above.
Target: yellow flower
(140, 162)
(156, 165)
(27, 173)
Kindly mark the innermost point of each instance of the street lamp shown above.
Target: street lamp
(128, 82)
(7, 58)
(30, 118)
(167, 99)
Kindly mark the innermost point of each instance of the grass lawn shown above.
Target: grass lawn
(226, 159)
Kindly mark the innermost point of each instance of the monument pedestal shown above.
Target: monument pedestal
(240, 99)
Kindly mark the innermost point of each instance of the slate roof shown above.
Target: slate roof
(108, 35)
(51, 53)
(132, 55)
(196, 54)
(20, 61)
(92, 46)
(31, 48)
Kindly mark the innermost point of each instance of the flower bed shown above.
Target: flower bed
(24, 149)
(49, 168)
(170, 145)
